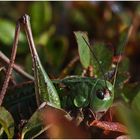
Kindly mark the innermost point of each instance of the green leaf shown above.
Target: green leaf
(77, 18)
(34, 126)
(104, 56)
(55, 46)
(136, 102)
(46, 36)
(124, 65)
(130, 90)
(123, 38)
(131, 119)
(7, 123)
(7, 30)
(84, 51)
(41, 15)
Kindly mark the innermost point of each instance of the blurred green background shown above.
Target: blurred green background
(53, 24)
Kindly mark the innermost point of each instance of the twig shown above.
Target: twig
(10, 68)
(17, 68)
(68, 67)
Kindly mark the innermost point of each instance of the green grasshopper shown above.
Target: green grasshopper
(96, 93)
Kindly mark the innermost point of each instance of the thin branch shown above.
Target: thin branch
(68, 68)
(10, 68)
(17, 68)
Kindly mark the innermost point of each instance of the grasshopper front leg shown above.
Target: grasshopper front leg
(45, 90)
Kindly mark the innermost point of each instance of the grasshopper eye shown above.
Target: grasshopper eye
(100, 94)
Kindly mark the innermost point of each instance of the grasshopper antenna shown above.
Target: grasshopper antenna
(95, 59)
(121, 50)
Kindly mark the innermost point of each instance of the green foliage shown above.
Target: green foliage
(7, 30)
(104, 56)
(7, 123)
(131, 119)
(123, 38)
(33, 126)
(83, 48)
(60, 45)
(78, 18)
(135, 103)
(41, 15)
(130, 91)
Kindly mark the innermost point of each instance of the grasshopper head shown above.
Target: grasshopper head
(102, 95)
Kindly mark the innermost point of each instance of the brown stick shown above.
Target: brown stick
(10, 68)
(68, 68)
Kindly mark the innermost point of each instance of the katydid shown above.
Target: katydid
(96, 93)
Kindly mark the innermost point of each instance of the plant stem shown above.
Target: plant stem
(68, 68)
(11, 64)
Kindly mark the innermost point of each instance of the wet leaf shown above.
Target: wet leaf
(7, 123)
(84, 51)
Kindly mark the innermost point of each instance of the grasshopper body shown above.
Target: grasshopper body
(74, 92)
(82, 91)
(86, 91)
